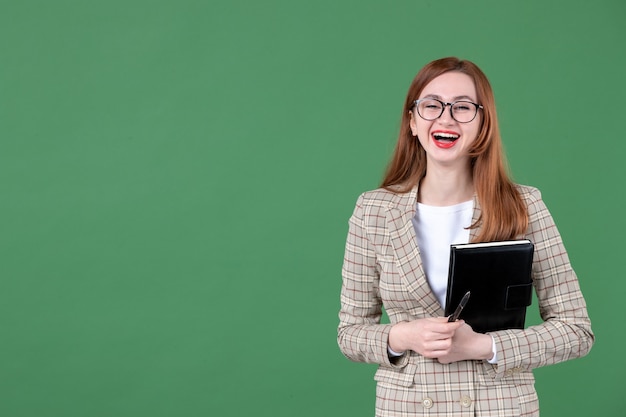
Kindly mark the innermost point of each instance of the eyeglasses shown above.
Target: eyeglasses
(462, 111)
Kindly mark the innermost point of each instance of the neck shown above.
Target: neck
(446, 187)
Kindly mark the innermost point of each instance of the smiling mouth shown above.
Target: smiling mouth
(445, 137)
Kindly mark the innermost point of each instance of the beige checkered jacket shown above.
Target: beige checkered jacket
(382, 268)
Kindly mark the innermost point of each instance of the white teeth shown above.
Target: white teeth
(446, 135)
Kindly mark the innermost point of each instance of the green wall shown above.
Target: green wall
(176, 179)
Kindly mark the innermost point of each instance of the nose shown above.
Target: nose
(446, 116)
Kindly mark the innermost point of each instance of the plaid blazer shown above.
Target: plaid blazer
(382, 268)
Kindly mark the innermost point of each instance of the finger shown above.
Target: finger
(437, 354)
(434, 336)
(457, 324)
(452, 327)
(443, 330)
(438, 346)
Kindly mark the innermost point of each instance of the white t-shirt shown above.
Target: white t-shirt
(436, 229)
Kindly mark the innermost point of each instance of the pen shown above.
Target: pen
(458, 310)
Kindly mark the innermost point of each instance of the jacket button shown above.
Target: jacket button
(427, 402)
(466, 401)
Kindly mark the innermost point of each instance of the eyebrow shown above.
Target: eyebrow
(453, 98)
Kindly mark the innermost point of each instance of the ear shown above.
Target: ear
(412, 124)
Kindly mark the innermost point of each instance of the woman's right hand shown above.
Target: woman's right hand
(430, 337)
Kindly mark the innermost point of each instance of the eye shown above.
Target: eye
(431, 105)
(463, 106)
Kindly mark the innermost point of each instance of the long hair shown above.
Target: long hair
(503, 213)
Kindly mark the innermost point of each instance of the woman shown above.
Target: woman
(447, 183)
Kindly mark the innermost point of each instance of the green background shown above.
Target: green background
(177, 176)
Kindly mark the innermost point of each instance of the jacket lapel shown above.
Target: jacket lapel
(408, 260)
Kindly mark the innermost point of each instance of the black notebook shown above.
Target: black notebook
(499, 277)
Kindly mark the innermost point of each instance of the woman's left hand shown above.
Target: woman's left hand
(468, 345)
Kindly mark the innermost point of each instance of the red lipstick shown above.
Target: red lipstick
(445, 138)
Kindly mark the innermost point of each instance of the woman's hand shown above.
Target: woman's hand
(468, 345)
(430, 337)
(436, 338)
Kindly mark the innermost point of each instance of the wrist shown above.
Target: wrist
(394, 341)
(487, 347)
(494, 352)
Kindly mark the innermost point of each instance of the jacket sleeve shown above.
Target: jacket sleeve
(361, 336)
(566, 329)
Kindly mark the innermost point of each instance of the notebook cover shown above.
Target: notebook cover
(499, 276)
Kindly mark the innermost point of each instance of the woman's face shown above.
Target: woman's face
(445, 140)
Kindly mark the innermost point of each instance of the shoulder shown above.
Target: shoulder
(533, 199)
(387, 197)
(380, 197)
(376, 203)
(528, 193)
